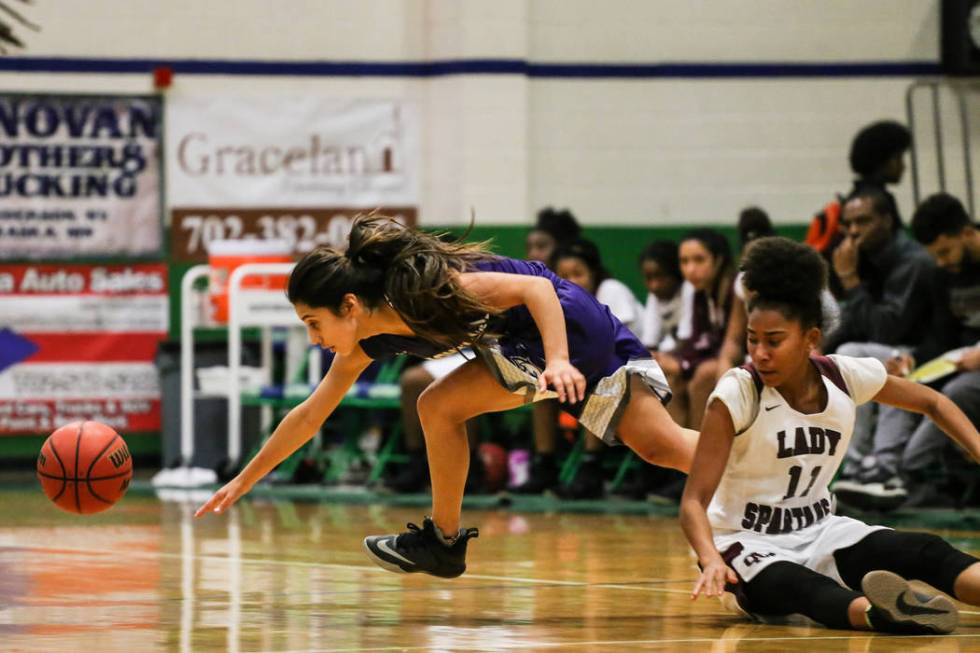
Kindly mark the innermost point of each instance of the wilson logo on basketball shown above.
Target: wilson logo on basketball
(118, 457)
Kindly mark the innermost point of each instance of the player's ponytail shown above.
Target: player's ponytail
(415, 272)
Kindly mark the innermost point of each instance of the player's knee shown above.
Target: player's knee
(433, 405)
(655, 453)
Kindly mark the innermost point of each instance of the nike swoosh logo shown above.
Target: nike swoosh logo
(768, 408)
(383, 545)
(913, 610)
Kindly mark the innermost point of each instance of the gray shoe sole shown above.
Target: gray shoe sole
(893, 596)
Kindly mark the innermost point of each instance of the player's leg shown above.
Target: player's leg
(784, 588)
(913, 556)
(439, 547)
(647, 429)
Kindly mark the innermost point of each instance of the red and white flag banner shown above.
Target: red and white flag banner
(78, 342)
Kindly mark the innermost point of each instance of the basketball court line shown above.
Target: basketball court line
(641, 585)
(523, 645)
(631, 585)
(514, 645)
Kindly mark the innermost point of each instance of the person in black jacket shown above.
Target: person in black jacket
(886, 305)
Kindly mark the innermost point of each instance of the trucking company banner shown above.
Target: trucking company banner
(80, 176)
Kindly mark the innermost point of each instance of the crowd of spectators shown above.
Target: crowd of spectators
(905, 295)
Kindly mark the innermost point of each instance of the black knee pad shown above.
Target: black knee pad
(941, 564)
(785, 588)
(919, 556)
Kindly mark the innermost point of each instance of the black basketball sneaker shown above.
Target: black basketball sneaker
(897, 609)
(424, 550)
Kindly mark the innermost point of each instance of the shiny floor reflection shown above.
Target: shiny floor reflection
(291, 577)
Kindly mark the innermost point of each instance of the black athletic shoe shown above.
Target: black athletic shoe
(421, 550)
(877, 490)
(897, 609)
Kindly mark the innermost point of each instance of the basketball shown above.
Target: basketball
(84, 467)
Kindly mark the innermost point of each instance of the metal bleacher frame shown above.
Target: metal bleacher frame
(268, 308)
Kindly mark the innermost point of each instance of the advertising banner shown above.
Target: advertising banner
(295, 168)
(78, 342)
(79, 176)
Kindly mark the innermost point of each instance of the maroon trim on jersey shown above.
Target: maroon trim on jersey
(824, 364)
(756, 379)
(829, 369)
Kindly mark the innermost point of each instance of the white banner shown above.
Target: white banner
(291, 151)
(79, 176)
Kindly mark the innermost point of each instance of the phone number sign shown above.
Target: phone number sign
(191, 229)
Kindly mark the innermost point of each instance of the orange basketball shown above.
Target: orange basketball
(84, 467)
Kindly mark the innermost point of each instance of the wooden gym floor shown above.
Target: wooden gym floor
(285, 576)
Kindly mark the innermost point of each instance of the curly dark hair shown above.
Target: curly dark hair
(875, 144)
(664, 253)
(413, 271)
(939, 215)
(787, 276)
(753, 223)
(587, 252)
(560, 224)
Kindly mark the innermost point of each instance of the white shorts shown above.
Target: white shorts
(811, 547)
(440, 367)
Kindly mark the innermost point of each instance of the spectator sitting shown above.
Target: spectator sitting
(553, 229)
(753, 223)
(692, 368)
(887, 302)
(661, 270)
(662, 276)
(942, 225)
(877, 158)
(580, 263)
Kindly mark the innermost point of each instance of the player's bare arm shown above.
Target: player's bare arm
(296, 428)
(503, 291)
(917, 398)
(710, 458)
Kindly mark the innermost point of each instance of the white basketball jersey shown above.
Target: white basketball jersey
(782, 461)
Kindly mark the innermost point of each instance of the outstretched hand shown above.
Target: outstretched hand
(224, 498)
(565, 378)
(713, 578)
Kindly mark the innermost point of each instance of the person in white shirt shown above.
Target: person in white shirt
(580, 262)
(757, 508)
(661, 270)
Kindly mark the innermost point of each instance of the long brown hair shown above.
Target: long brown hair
(413, 271)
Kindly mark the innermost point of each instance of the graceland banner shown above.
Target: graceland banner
(286, 168)
(80, 176)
